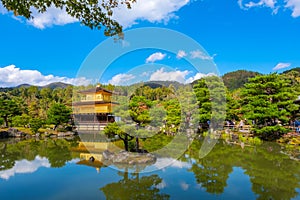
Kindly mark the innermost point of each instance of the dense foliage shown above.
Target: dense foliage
(58, 114)
(269, 102)
(33, 106)
(211, 98)
(266, 102)
(94, 14)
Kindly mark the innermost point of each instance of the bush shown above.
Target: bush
(35, 124)
(270, 132)
(257, 141)
(20, 121)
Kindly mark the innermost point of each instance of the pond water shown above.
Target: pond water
(55, 169)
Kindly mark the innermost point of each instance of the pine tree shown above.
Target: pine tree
(268, 100)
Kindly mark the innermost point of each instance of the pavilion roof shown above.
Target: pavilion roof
(95, 90)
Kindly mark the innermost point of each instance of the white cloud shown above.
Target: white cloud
(200, 54)
(12, 76)
(24, 167)
(199, 76)
(155, 56)
(159, 75)
(163, 162)
(162, 75)
(294, 5)
(266, 3)
(148, 10)
(275, 5)
(76, 81)
(53, 16)
(261, 3)
(121, 79)
(181, 54)
(281, 66)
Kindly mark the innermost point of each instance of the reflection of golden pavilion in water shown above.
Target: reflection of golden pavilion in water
(93, 150)
(94, 110)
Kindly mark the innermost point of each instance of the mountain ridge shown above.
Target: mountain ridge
(25, 85)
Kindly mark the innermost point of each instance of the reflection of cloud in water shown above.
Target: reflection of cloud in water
(184, 186)
(171, 162)
(24, 167)
(76, 160)
(161, 185)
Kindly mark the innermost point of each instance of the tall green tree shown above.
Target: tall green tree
(187, 116)
(173, 116)
(34, 108)
(33, 93)
(211, 97)
(8, 109)
(268, 100)
(233, 105)
(139, 111)
(58, 114)
(44, 101)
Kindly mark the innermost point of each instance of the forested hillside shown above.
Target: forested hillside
(237, 79)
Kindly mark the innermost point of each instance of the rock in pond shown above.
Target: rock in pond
(65, 134)
(13, 132)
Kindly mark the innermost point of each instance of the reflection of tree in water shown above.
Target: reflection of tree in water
(211, 177)
(5, 161)
(132, 186)
(56, 151)
(212, 171)
(272, 174)
(13, 150)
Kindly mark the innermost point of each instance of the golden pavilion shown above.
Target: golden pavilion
(94, 110)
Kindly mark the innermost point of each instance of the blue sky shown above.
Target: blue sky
(254, 35)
